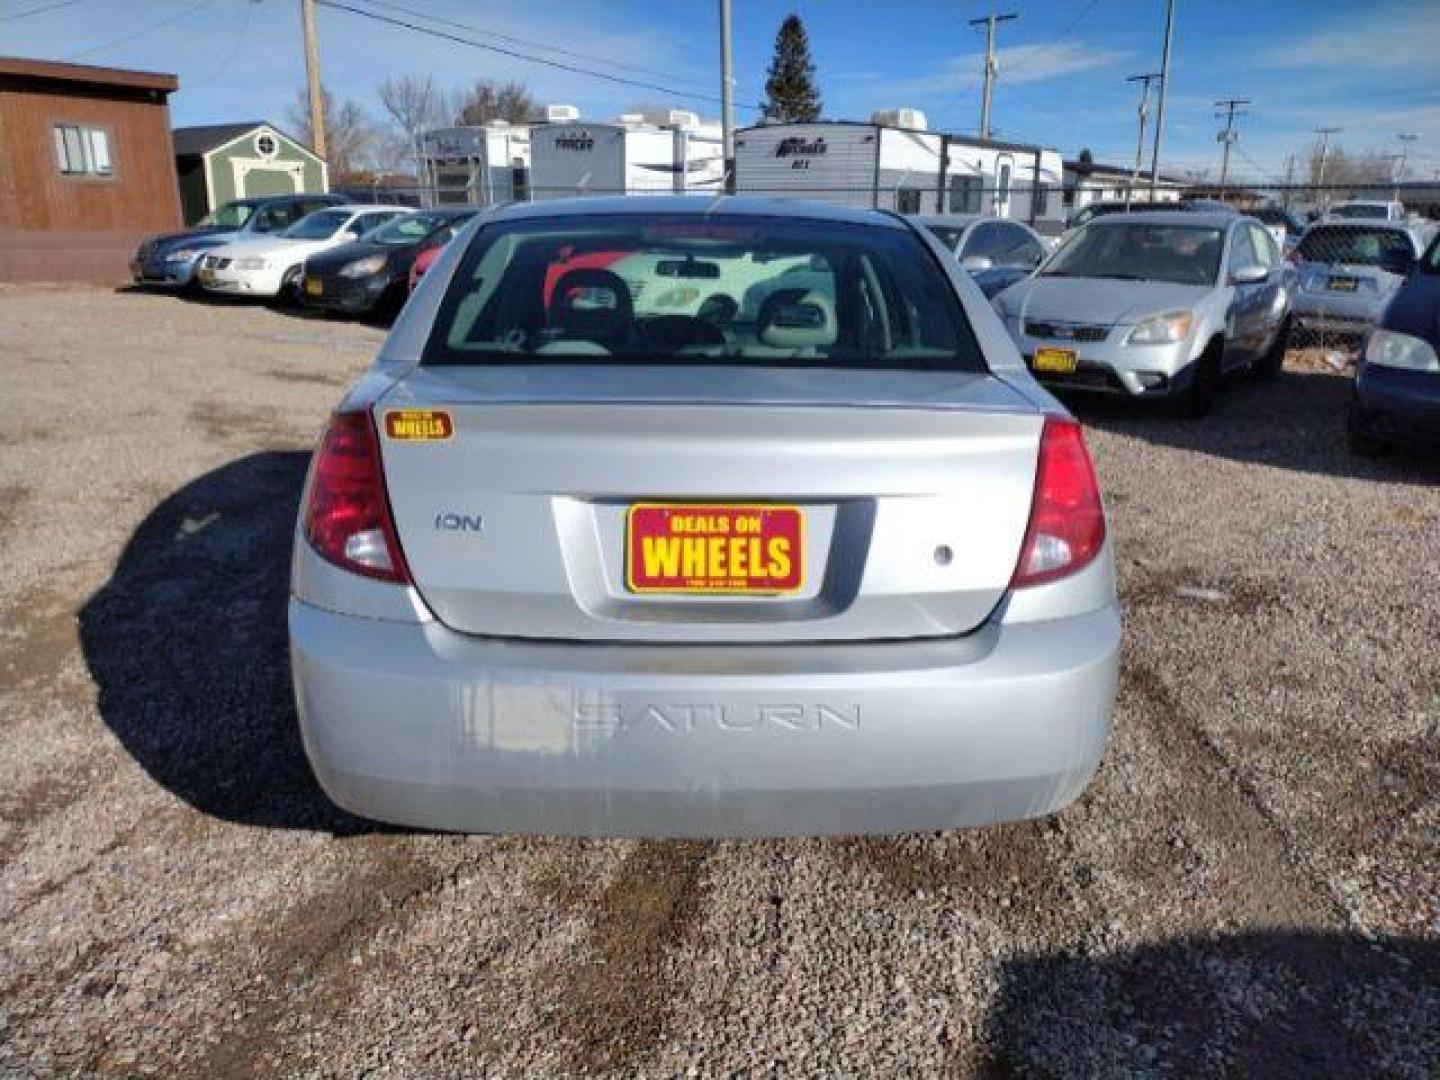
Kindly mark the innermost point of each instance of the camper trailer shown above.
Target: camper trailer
(894, 163)
(475, 166)
(628, 157)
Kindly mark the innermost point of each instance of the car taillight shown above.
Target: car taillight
(1067, 522)
(347, 518)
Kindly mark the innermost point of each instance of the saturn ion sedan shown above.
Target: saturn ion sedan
(701, 517)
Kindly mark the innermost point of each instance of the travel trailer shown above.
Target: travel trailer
(894, 163)
(628, 157)
(475, 166)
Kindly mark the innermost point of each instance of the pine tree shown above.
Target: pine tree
(792, 96)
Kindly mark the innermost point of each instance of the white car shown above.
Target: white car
(266, 266)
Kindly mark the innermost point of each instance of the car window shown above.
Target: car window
(367, 223)
(1016, 247)
(230, 216)
(273, 217)
(1242, 251)
(949, 235)
(407, 229)
(1353, 244)
(982, 242)
(682, 289)
(1263, 245)
(320, 225)
(1140, 251)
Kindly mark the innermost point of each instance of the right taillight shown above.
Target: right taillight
(347, 517)
(1067, 522)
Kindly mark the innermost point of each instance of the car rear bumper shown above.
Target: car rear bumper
(1397, 406)
(415, 724)
(1336, 314)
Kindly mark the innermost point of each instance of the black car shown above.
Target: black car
(1397, 382)
(371, 275)
(170, 259)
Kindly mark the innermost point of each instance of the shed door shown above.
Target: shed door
(259, 182)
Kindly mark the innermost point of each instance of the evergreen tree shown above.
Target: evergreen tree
(790, 89)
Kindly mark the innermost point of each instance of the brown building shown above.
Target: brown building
(86, 168)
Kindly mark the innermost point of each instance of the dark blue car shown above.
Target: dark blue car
(1397, 384)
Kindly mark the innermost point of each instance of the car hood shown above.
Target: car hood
(1097, 300)
(269, 245)
(1415, 309)
(189, 238)
(332, 259)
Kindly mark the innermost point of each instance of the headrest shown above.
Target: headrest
(589, 299)
(797, 319)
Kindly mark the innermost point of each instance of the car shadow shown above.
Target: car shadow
(1272, 1003)
(188, 647)
(1296, 421)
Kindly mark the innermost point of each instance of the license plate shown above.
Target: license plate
(1344, 284)
(710, 548)
(207, 276)
(313, 286)
(1058, 361)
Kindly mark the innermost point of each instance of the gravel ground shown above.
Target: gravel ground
(1251, 886)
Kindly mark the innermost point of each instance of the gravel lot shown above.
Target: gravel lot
(1251, 886)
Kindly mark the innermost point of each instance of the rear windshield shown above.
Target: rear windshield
(1140, 251)
(1353, 244)
(687, 289)
(1361, 211)
(407, 229)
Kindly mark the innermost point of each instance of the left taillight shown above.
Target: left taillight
(347, 517)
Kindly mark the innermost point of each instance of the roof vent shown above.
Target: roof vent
(561, 114)
(900, 118)
(684, 118)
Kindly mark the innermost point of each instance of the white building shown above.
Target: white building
(1090, 183)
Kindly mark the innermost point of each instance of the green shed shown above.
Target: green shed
(220, 162)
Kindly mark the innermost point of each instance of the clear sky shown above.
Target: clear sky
(1372, 69)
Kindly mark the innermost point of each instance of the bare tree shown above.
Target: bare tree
(351, 138)
(412, 103)
(488, 100)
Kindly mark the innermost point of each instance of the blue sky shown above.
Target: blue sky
(1368, 68)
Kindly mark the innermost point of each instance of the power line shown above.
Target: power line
(529, 43)
(142, 32)
(224, 65)
(41, 10)
(516, 54)
(1031, 57)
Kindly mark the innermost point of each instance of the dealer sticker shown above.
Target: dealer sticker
(724, 548)
(418, 424)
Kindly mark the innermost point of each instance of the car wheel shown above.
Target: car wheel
(1271, 364)
(1199, 397)
(1361, 442)
(289, 294)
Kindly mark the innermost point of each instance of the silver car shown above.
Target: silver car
(1349, 270)
(994, 251)
(678, 516)
(1155, 305)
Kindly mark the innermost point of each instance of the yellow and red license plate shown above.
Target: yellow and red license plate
(1058, 361)
(714, 548)
(313, 286)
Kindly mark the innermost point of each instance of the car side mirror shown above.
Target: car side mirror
(977, 263)
(1250, 274)
(1395, 260)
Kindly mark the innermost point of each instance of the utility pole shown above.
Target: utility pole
(1289, 180)
(1228, 137)
(312, 74)
(989, 22)
(1144, 81)
(1160, 108)
(1321, 196)
(1406, 138)
(727, 88)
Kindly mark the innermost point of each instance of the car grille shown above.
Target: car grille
(1058, 331)
(214, 262)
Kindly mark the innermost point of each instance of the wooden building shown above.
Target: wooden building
(86, 168)
(220, 162)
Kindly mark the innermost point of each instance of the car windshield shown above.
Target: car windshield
(230, 216)
(1361, 211)
(949, 235)
(1355, 245)
(1140, 251)
(407, 229)
(690, 290)
(320, 225)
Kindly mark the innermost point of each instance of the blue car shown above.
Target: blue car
(1397, 383)
(169, 260)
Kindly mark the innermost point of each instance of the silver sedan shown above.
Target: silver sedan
(1156, 305)
(671, 516)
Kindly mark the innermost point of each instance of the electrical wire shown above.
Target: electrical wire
(41, 10)
(224, 65)
(142, 32)
(1031, 57)
(518, 55)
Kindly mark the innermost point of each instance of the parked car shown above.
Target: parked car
(1346, 275)
(1155, 306)
(170, 259)
(1284, 226)
(1368, 210)
(835, 564)
(268, 266)
(996, 252)
(372, 274)
(1397, 381)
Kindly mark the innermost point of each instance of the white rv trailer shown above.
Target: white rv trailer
(626, 158)
(475, 166)
(886, 166)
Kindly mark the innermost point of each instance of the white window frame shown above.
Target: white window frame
(83, 150)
